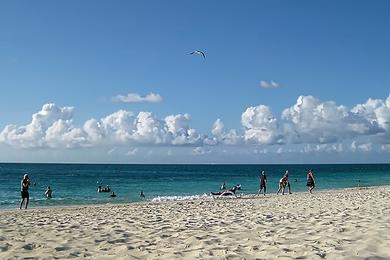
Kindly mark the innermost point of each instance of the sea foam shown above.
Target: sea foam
(178, 198)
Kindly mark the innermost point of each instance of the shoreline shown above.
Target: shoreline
(208, 198)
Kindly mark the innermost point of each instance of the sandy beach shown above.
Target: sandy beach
(342, 224)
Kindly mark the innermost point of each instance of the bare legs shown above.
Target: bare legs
(261, 188)
(289, 188)
(281, 188)
(22, 201)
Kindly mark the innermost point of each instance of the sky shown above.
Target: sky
(114, 82)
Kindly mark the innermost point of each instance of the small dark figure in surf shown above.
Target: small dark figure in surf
(107, 188)
(113, 195)
(228, 192)
(24, 185)
(142, 195)
(223, 186)
(49, 192)
(263, 183)
(311, 183)
(100, 189)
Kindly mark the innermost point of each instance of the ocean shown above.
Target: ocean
(76, 184)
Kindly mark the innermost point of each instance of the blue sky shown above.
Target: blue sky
(84, 53)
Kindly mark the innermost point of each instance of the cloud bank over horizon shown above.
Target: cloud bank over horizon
(312, 124)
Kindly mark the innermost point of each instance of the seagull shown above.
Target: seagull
(199, 53)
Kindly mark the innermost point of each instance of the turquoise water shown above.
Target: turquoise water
(76, 184)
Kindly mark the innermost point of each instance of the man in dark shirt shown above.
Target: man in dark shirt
(263, 183)
(24, 185)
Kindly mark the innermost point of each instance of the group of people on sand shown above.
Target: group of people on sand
(284, 182)
(24, 187)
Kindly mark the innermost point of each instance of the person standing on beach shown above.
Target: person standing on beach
(288, 183)
(283, 183)
(24, 185)
(263, 183)
(311, 183)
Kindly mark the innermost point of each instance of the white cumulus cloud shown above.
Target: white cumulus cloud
(220, 136)
(180, 133)
(261, 126)
(50, 127)
(53, 127)
(377, 113)
(313, 121)
(322, 124)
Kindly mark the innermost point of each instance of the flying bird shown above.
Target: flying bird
(199, 53)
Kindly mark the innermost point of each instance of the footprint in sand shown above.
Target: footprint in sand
(28, 246)
(4, 248)
(61, 248)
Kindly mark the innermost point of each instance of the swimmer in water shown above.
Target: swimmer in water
(49, 192)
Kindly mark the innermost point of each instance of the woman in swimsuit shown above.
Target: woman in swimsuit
(310, 181)
(283, 183)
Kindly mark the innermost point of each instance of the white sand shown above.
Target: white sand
(349, 224)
